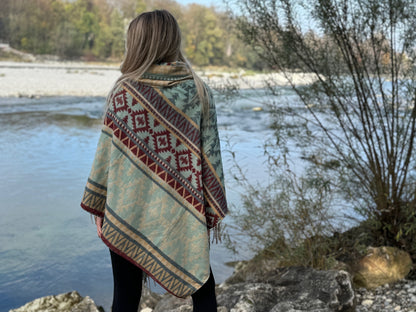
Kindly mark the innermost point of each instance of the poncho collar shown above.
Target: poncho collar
(166, 74)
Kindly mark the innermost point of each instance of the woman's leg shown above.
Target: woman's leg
(127, 284)
(204, 299)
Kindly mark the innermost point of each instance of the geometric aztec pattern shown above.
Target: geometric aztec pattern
(169, 144)
(181, 126)
(160, 169)
(152, 264)
(155, 151)
(93, 202)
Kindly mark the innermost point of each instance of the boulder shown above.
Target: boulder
(381, 266)
(69, 302)
(149, 300)
(293, 289)
(253, 270)
(247, 297)
(306, 289)
(170, 303)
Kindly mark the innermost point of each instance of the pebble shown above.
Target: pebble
(399, 297)
(367, 302)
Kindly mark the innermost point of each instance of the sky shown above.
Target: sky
(202, 2)
(218, 3)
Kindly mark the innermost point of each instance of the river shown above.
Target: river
(48, 244)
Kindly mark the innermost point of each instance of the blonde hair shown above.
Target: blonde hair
(154, 37)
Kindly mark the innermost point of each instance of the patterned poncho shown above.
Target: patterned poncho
(157, 178)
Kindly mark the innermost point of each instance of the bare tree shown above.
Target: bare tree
(358, 119)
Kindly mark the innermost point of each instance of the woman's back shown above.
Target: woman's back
(163, 178)
(156, 185)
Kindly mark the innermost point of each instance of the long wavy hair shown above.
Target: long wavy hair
(154, 37)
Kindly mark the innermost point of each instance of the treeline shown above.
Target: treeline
(95, 30)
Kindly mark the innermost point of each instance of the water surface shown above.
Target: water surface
(48, 244)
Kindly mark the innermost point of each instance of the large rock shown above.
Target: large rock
(381, 266)
(306, 289)
(149, 300)
(258, 267)
(69, 302)
(170, 303)
(294, 289)
(247, 297)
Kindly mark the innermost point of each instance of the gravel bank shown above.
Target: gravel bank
(55, 79)
(400, 297)
(78, 79)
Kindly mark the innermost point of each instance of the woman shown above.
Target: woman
(156, 185)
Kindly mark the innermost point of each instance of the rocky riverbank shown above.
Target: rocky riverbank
(262, 285)
(400, 296)
(69, 302)
(30, 79)
(296, 290)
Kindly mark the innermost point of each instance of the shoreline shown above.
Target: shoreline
(38, 79)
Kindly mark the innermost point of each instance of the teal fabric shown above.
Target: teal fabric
(157, 178)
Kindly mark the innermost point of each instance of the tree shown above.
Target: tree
(4, 20)
(65, 35)
(357, 121)
(31, 24)
(95, 29)
(171, 5)
(204, 43)
(235, 52)
(130, 8)
(86, 21)
(109, 41)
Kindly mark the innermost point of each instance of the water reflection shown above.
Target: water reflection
(47, 243)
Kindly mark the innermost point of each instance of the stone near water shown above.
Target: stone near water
(257, 109)
(69, 302)
(307, 289)
(382, 266)
(396, 297)
(294, 289)
(169, 303)
(283, 291)
(247, 297)
(149, 300)
(367, 302)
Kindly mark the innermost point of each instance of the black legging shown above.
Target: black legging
(128, 288)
